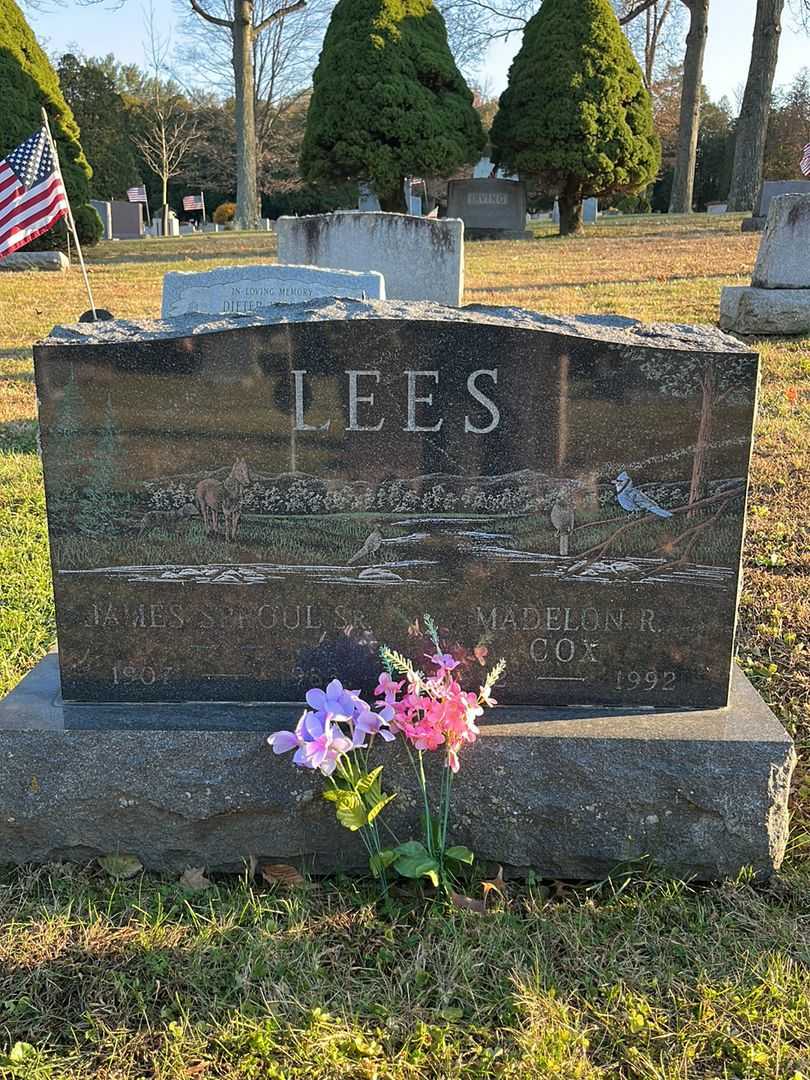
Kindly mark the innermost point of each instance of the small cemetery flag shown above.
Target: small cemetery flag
(32, 195)
(805, 163)
(137, 194)
(193, 202)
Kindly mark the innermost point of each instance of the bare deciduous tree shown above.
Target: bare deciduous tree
(167, 130)
(752, 127)
(245, 21)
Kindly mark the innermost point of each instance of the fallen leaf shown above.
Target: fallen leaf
(282, 874)
(466, 903)
(193, 878)
(452, 1012)
(792, 394)
(121, 866)
(496, 884)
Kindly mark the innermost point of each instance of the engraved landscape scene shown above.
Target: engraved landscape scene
(530, 484)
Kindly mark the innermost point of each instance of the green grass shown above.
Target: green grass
(640, 979)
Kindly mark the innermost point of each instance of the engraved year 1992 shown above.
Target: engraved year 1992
(645, 680)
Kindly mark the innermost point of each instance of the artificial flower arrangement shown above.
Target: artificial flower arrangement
(431, 712)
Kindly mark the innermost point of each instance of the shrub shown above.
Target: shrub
(388, 100)
(224, 213)
(575, 116)
(28, 83)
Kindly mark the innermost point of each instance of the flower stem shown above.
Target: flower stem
(423, 785)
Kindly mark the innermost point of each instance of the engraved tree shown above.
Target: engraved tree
(687, 375)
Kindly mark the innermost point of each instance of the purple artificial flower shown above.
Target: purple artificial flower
(387, 688)
(373, 723)
(324, 751)
(334, 701)
(443, 661)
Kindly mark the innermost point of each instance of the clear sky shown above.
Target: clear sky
(100, 30)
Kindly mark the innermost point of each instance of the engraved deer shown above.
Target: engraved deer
(221, 500)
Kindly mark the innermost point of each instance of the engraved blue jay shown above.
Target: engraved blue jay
(632, 499)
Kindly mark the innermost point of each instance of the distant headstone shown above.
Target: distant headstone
(104, 211)
(420, 258)
(489, 208)
(233, 290)
(34, 260)
(590, 211)
(367, 199)
(127, 220)
(772, 189)
(187, 229)
(778, 299)
(716, 208)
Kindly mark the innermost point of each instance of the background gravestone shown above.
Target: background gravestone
(489, 207)
(236, 513)
(420, 258)
(235, 289)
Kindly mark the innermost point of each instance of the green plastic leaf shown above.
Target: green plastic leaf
(380, 861)
(350, 811)
(415, 866)
(413, 847)
(459, 853)
(378, 806)
(121, 866)
(366, 782)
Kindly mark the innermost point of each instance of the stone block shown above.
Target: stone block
(746, 310)
(35, 260)
(241, 289)
(783, 261)
(772, 189)
(570, 792)
(753, 224)
(420, 258)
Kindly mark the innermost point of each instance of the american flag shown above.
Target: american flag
(137, 194)
(805, 162)
(32, 195)
(193, 202)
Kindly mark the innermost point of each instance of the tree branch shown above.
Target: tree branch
(634, 12)
(281, 13)
(197, 6)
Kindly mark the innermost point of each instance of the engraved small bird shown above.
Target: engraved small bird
(370, 548)
(562, 518)
(630, 498)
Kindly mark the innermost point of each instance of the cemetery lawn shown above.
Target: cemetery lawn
(637, 977)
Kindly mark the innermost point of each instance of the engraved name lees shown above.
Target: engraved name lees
(364, 411)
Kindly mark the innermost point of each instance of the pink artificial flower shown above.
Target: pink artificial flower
(387, 688)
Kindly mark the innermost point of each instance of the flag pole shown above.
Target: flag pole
(202, 200)
(71, 222)
(146, 200)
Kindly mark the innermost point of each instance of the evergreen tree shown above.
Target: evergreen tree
(575, 117)
(27, 83)
(102, 116)
(388, 100)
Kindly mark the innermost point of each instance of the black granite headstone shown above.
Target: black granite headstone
(238, 510)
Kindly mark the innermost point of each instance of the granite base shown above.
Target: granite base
(571, 792)
(760, 312)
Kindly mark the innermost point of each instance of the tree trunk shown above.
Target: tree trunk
(246, 196)
(683, 182)
(164, 226)
(393, 202)
(696, 489)
(570, 202)
(752, 127)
